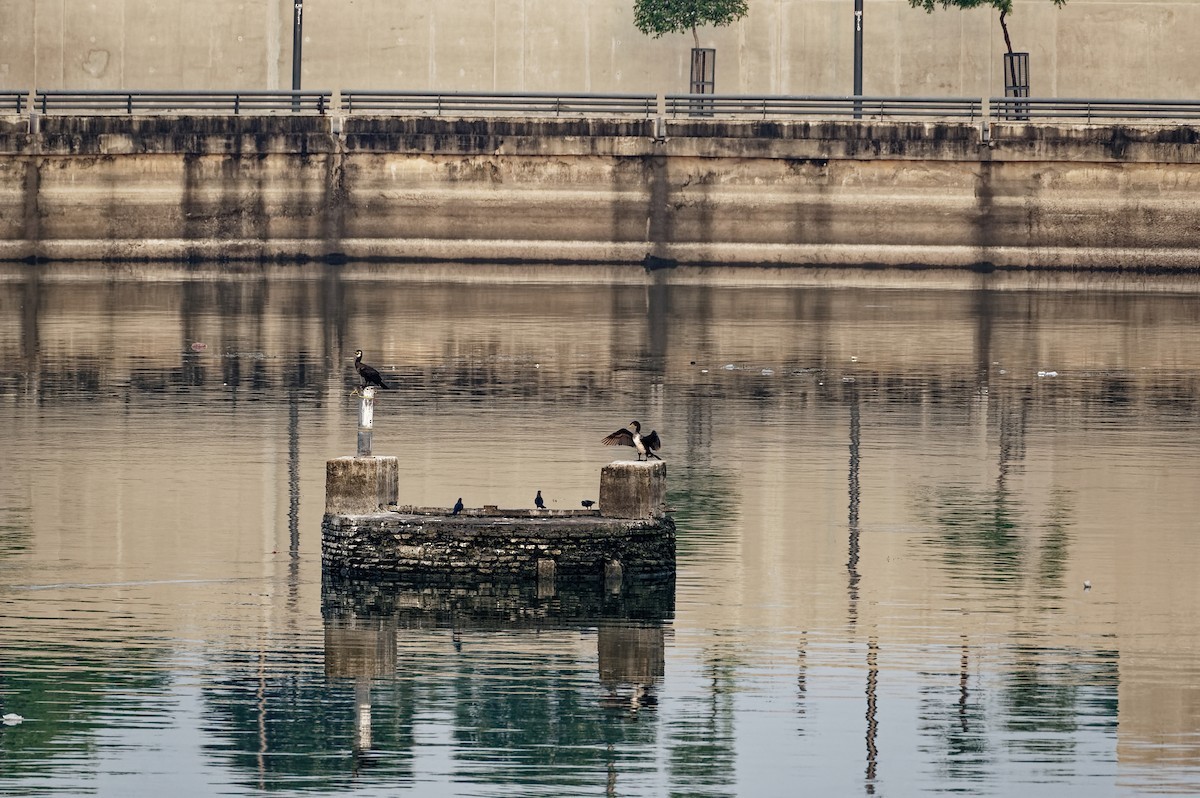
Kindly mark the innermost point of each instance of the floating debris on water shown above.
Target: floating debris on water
(198, 346)
(11, 719)
(1047, 373)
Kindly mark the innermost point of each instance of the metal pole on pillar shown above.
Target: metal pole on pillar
(297, 47)
(858, 56)
(366, 421)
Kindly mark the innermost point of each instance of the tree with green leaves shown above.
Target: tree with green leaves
(656, 17)
(1005, 7)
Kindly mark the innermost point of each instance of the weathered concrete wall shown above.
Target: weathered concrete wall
(449, 548)
(562, 190)
(1089, 48)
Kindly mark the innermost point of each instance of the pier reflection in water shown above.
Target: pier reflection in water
(889, 492)
(505, 662)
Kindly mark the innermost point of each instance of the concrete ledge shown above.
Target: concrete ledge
(633, 489)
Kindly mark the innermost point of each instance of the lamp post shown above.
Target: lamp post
(858, 55)
(297, 41)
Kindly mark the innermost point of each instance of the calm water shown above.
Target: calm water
(890, 491)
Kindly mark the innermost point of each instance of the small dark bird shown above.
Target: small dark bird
(646, 445)
(458, 506)
(369, 375)
(537, 500)
(587, 504)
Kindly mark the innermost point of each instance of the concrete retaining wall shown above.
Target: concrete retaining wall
(607, 191)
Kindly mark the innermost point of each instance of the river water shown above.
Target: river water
(936, 533)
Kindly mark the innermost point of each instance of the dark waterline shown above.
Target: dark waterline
(889, 499)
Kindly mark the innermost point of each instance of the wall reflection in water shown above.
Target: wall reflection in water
(889, 495)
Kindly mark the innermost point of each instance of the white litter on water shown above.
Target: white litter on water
(11, 719)
(1047, 373)
(768, 372)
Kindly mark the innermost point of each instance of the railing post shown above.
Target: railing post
(129, 104)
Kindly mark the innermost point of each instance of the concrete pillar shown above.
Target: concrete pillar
(633, 489)
(361, 485)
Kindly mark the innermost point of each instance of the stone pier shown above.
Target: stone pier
(365, 534)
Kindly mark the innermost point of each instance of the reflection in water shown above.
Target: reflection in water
(702, 739)
(871, 715)
(293, 461)
(511, 676)
(163, 448)
(853, 491)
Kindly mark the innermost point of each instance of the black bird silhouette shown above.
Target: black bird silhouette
(369, 375)
(537, 500)
(587, 504)
(458, 506)
(645, 444)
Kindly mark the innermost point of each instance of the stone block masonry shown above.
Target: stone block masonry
(436, 548)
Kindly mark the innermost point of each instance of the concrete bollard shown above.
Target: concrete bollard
(633, 489)
(361, 485)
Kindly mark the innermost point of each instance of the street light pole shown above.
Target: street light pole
(298, 41)
(858, 55)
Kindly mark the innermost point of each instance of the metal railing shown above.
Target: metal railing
(459, 102)
(154, 102)
(678, 106)
(1088, 110)
(13, 101)
(734, 105)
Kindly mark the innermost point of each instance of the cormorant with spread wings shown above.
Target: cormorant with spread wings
(646, 445)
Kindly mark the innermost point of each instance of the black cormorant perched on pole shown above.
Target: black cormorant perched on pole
(369, 375)
(458, 506)
(645, 444)
(537, 501)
